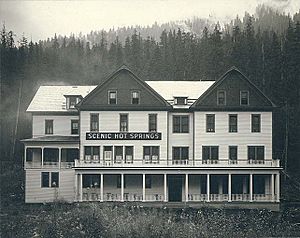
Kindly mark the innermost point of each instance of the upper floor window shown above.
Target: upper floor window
(221, 98)
(124, 122)
(135, 97)
(210, 123)
(48, 127)
(74, 127)
(233, 123)
(72, 101)
(180, 155)
(152, 122)
(255, 122)
(112, 97)
(50, 180)
(256, 153)
(151, 154)
(210, 152)
(180, 100)
(244, 97)
(233, 153)
(94, 126)
(91, 153)
(181, 124)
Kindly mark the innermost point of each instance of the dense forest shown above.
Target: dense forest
(264, 46)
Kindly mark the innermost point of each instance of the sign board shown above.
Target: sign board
(123, 136)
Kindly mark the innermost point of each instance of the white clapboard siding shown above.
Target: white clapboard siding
(34, 193)
(242, 138)
(109, 121)
(61, 124)
(181, 139)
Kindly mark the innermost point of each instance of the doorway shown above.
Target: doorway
(175, 188)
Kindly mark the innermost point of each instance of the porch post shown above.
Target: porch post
(80, 187)
(208, 187)
(101, 188)
(165, 188)
(278, 187)
(25, 156)
(144, 187)
(186, 187)
(251, 187)
(122, 187)
(42, 157)
(229, 187)
(59, 157)
(272, 188)
(76, 187)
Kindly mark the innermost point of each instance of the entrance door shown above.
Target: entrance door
(175, 188)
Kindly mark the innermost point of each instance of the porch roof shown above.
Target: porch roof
(53, 139)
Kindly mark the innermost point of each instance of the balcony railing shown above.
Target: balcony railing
(175, 163)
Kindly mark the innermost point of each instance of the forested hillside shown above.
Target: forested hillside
(265, 47)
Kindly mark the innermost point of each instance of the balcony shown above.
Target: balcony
(159, 162)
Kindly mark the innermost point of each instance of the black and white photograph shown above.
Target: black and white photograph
(150, 118)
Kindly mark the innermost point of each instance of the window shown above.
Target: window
(210, 152)
(255, 122)
(48, 127)
(210, 123)
(221, 98)
(233, 153)
(151, 154)
(148, 182)
(129, 154)
(152, 122)
(112, 97)
(233, 123)
(124, 122)
(180, 100)
(72, 101)
(118, 154)
(180, 155)
(91, 153)
(74, 127)
(135, 97)
(51, 156)
(50, 180)
(181, 124)
(94, 122)
(108, 152)
(256, 153)
(244, 98)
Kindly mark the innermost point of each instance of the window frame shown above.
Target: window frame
(210, 147)
(256, 148)
(180, 153)
(49, 183)
(181, 126)
(51, 132)
(248, 102)
(213, 123)
(150, 124)
(229, 152)
(253, 124)
(139, 97)
(109, 98)
(127, 122)
(72, 122)
(98, 123)
(218, 97)
(152, 149)
(176, 99)
(230, 125)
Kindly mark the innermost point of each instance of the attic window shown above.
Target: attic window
(72, 101)
(244, 98)
(180, 100)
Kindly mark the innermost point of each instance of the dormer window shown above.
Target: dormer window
(221, 98)
(244, 98)
(180, 100)
(135, 97)
(112, 97)
(72, 101)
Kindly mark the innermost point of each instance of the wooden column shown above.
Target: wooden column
(101, 187)
(80, 187)
(229, 187)
(272, 188)
(42, 157)
(251, 187)
(165, 188)
(122, 187)
(59, 158)
(186, 187)
(278, 187)
(144, 187)
(208, 187)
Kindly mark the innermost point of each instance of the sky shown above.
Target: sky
(41, 19)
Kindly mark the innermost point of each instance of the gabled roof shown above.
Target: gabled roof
(111, 77)
(222, 78)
